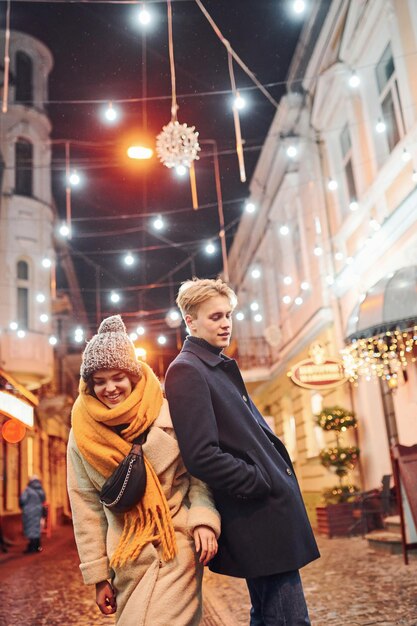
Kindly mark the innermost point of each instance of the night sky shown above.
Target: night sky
(98, 55)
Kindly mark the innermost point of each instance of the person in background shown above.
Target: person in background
(3, 542)
(147, 563)
(31, 502)
(224, 440)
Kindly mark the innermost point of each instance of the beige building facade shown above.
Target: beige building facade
(335, 191)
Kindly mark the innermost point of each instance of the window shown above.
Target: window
(346, 148)
(23, 294)
(23, 167)
(24, 78)
(389, 98)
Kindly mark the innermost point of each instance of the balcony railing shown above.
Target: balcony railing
(29, 359)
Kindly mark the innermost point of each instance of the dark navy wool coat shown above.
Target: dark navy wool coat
(226, 443)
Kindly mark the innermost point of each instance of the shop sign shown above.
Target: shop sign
(319, 371)
(16, 408)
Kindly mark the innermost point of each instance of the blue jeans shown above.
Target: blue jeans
(278, 600)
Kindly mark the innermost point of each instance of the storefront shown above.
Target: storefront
(17, 450)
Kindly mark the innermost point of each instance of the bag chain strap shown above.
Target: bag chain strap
(123, 488)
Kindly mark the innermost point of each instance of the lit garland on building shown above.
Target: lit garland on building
(385, 355)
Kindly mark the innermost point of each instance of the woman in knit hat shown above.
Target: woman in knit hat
(147, 563)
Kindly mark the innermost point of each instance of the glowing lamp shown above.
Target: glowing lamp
(139, 152)
(13, 431)
(140, 353)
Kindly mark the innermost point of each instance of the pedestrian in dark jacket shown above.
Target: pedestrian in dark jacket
(224, 440)
(31, 502)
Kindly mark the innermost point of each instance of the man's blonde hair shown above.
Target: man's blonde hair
(193, 293)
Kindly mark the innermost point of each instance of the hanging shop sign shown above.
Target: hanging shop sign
(319, 371)
(15, 408)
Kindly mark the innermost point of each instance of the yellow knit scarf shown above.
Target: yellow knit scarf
(104, 449)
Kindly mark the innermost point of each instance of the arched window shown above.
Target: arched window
(24, 78)
(23, 167)
(23, 294)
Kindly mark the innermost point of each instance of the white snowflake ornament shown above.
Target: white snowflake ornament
(177, 144)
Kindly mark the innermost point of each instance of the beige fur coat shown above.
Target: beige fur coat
(149, 591)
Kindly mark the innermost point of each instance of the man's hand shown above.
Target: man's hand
(105, 597)
(205, 540)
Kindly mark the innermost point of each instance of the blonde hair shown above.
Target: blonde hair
(193, 293)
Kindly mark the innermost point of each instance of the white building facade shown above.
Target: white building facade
(26, 216)
(27, 287)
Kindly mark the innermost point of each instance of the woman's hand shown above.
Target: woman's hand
(105, 597)
(205, 540)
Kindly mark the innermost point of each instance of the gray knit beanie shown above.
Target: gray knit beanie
(110, 349)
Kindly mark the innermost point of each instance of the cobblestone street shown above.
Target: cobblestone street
(348, 586)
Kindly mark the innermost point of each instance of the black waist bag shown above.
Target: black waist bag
(126, 486)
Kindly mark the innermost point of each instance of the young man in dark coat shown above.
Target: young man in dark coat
(224, 440)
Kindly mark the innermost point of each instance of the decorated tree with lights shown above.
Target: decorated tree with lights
(339, 459)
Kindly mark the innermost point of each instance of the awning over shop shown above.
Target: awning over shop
(382, 330)
(390, 304)
(16, 401)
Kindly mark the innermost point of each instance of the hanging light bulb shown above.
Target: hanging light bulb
(114, 297)
(181, 170)
(140, 330)
(256, 273)
(111, 113)
(140, 353)
(287, 280)
(298, 301)
(332, 184)
(144, 16)
(13, 326)
(318, 251)
(239, 102)
(64, 230)
(250, 207)
(158, 223)
(353, 205)
(286, 299)
(53, 340)
(380, 126)
(21, 334)
(43, 318)
(129, 259)
(292, 152)
(240, 316)
(299, 6)
(210, 248)
(354, 80)
(46, 262)
(74, 178)
(254, 306)
(133, 336)
(338, 256)
(305, 286)
(40, 297)
(284, 230)
(257, 317)
(162, 340)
